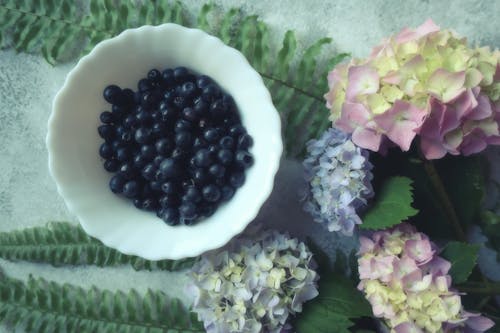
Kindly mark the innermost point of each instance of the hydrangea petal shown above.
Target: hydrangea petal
(445, 85)
(362, 80)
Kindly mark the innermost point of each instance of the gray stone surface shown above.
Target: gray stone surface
(28, 84)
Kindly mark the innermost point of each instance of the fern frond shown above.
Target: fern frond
(41, 26)
(42, 306)
(61, 243)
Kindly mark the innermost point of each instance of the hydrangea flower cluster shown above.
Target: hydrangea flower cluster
(408, 285)
(339, 177)
(423, 81)
(254, 284)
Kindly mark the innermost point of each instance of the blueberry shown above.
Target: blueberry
(127, 171)
(111, 165)
(217, 110)
(169, 188)
(200, 177)
(106, 150)
(180, 102)
(159, 129)
(188, 89)
(187, 210)
(144, 117)
(116, 184)
(160, 177)
(217, 170)
(149, 204)
(225, 156)
(207, 209)
(169, 215)
(211, 135)
(243, 159)
(179, 155)
(112, 94)
(203, 158)
(227, 192)
(144, 85)
(148, 98)
(154, 75)
(155, 185)
(128, 96)
(168, 201)
(157, 160)
(118, 112)
(126, 137)
(200, 143)
(137, 97)
(183, 140)
(106, 117)
(106, 132)
(210, 93)
(170, 168)
(245, 141)
(148, 151)
(203, 124)
(168, 77)
(237, 130)
(116, 144)
(211, 193)
(227, 142)
(123, 154)
(139, 161)
(137, 203)
(164, 146)
(131, 189)
(168, 114)
(180, 74)
(130, 121)
(149, 171)
(200, 106)
(183, 125)
(169, 95)
(156, 116)
(213, 149)
(237, 179)
(190, 114)
(192, 194)
(202, 81)
(143, 135)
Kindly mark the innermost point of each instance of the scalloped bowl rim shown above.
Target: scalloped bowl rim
(148, 239)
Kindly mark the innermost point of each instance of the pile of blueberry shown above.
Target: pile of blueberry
(176, 146)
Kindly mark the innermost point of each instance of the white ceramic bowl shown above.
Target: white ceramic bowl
(73, 141)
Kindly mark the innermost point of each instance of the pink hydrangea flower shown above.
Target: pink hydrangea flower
(408, 285)
(424, 82)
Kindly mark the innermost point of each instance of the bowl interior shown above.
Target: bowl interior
(73, 142)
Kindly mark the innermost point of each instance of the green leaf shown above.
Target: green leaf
(332, 310)
(392, 205)
(62, 243)
(106, 310)
(463, 258)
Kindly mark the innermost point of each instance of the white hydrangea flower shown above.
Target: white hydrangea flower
(253, 285)
(339, 177)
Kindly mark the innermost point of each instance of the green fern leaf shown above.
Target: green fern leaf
(42, 306)
(203, 16)
(61, 243)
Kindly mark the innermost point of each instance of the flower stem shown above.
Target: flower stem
(451, 215)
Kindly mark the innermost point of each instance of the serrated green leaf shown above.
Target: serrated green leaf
(332, 310)
(392, 205)
(463, 258)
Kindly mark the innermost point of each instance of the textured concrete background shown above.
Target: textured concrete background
(28, 85)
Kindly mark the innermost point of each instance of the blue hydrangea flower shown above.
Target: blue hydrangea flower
(339, 177)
